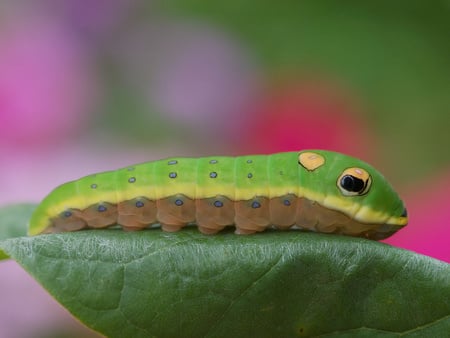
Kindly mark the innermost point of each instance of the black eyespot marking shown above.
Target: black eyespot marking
(249, 175)
(213, 174)
(67, 214)
(178, 202)
(218, 204)
(132, 179)
(173, 175)
(93, 186)
(139, 204)
(213, 161)
(256, 205)
(352, 183)
(101, 208)
(172, 162)
(249, 161)
(287, 203)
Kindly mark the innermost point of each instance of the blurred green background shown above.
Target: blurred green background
(94, 85)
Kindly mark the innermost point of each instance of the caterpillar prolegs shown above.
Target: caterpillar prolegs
(314, 189)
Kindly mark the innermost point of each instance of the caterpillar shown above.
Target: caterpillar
(315, 190)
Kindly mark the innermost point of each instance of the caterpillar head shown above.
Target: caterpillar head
(353, 197)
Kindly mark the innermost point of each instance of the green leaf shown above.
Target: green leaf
(14, 222)
(273, 284)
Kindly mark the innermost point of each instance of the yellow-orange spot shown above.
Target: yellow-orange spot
(311, 161)
(357, 172)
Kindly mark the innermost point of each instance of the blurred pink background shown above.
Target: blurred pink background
(91, 86)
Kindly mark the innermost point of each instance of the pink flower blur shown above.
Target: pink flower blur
(46, 83)
(307, 115)
(195, 75)
(428, 231)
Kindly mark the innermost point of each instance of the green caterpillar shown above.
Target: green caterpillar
(316, 190)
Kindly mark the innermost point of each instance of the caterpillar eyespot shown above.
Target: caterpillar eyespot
(352, 184)
(316, 190)
(354, 181)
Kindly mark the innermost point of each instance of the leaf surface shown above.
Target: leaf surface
(273, 284)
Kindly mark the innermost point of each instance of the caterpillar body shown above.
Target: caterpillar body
(313, 189)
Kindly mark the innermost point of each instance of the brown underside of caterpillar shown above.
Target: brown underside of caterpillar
(211, 215)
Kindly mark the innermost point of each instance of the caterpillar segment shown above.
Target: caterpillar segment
(315, 190)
